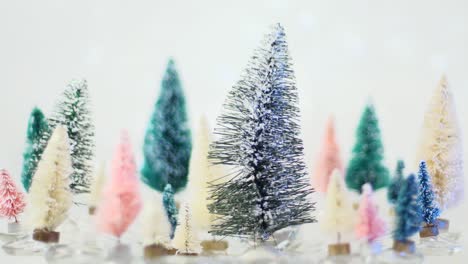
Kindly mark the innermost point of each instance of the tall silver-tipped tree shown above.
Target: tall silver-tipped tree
(258, 138)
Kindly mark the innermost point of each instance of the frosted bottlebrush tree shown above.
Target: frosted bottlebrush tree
(38, 134)
(122, 201)
(49, 197)
(259, 140)
(73, 111)
(96, 188)
(11, 199)
(185, 239)
(427, 202)
(171, 207)
(338, 217)
(328, 159)
(156, 234)
(396, 182)
(370, 226)
(441, 146)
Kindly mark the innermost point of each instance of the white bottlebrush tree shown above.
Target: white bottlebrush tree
(156, 226)
(441, 146)
(96, 187)
(185, 240)
(49, 196)
(338, 214)
(201, 174)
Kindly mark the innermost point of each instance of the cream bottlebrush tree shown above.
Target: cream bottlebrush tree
(441, 147)
(156, 232)
(96, 188)
(185, 240)
(49, 197)
(339, 214)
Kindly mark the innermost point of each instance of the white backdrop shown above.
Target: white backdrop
(344, 53)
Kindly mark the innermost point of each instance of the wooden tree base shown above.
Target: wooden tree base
(404, 246)
(443, 224)
(155, 251)
(214, 245)
(429, 231)
(46, 236)
(91, 210)
(339, 249)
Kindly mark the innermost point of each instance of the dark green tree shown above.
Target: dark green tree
(259, 139)
(38, 134)
(408, 210)
(427, 198)
(170, 207)
(366, 165)
(168, 141)
(396, 182)
(73, 111)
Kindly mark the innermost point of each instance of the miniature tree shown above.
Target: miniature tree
(427, 202)
(258, 140)
(170, 207)
(49, 196)
(409, 216)
(157, 234)
(11, 199)
(96, 189)
(370, 226)
(168, 144)
(396, 183)
(338, 213)
(37, 136)
(122, 201)
(441, 147)
(74, 113)
(185, 240)
(366, 165)
(328, 159)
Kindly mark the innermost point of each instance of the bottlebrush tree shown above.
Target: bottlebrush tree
(427, 199)
(122, 201)
(170, 207)
(408, 211)
(441, 147)
(73, 111)
(49, 196)
(156, 232)
(328, 159)
(168, 142)
(370, 225)
(38, 134)
(396, 183)
(338, 214)
(185, 240)
(11, 199)
(366, 165)
(259, 141)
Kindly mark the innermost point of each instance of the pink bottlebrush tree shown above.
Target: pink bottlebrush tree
(328, 159)
(11, 198)
(121, 201)
(370, 226)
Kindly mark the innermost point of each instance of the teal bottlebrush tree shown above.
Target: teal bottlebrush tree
(396, 182)
(36, 140)
(366, 165)
(73, 111)
(38, 134)
(258, 139)
(171, 208)
(427, 202)
(168, 141)
(409, 215)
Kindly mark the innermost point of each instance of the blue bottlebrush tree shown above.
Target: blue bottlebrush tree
(408, 211)
(259, 139)
(427, 198)
(168, 141)
(170, 207)
(366, 165)
(396, 183)
(37, 136)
